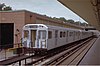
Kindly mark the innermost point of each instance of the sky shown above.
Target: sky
(51, 8)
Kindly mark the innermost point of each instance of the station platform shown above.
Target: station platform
(93, 55)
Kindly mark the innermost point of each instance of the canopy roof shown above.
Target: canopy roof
(89, 10)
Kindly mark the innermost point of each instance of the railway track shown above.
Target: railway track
(57, 58)
(74, 57)
(54, 57)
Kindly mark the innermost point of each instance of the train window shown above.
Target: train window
(60, 34)
(71, 33)
(56, 33)
(26, 33)
(63, 34)
(42, 34)
(49, 34)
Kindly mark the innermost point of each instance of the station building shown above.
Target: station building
(11, 23)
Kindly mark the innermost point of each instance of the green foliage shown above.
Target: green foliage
(63, 19)
(3, 7)
(7, 8)
(71, 21)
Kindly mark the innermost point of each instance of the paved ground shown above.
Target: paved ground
(93, 55)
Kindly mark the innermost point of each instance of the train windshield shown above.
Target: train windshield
(26, 34)
(42, 34)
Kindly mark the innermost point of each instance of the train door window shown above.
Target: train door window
(56, 33)
(43, 34)
(61, 34)
(33, 37)
(49, 34)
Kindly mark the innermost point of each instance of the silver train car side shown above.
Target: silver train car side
(40, 36)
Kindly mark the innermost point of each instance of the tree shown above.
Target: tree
(71, 21)
(3, 7)
(63, 19)
(7, 8)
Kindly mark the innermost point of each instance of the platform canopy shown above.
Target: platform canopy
(89, 10)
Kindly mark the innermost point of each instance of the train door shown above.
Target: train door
(42, 38)
(33, 38)
(26, 40)
(70, 38)
(56, 36)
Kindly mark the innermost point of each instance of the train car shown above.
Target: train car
(85, 34)
(40, 36)
(95, 33)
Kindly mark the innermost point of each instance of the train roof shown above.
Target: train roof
(43, 26)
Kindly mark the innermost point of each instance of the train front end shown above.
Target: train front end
(35, 36)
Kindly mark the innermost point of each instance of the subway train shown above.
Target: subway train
(47, 37)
